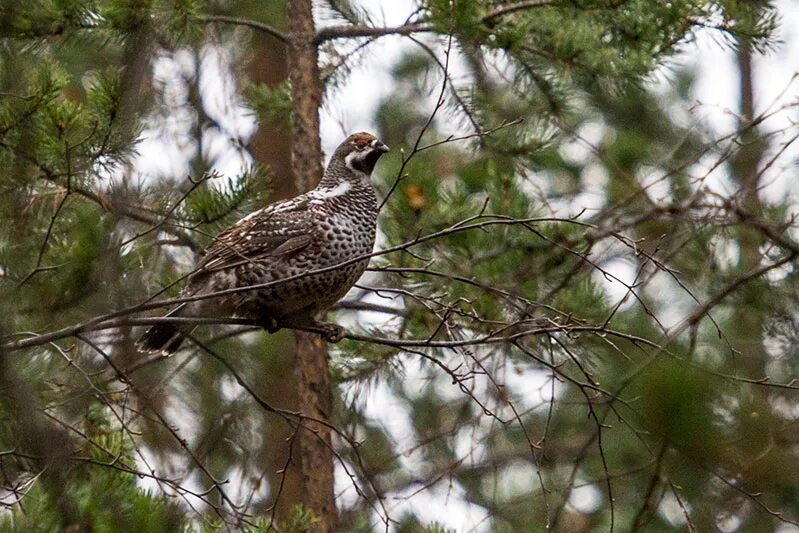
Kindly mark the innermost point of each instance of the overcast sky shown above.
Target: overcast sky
(351, 108)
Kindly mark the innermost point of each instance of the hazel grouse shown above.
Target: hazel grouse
(330, 225)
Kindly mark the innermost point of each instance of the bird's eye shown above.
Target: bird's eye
(361, 143)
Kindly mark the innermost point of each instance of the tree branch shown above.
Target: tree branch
(346, 31)
(254, 24)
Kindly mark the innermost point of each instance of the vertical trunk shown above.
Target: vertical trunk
(294, 161)
(271, 146)
(312, 371)
(315, 442)
(749, 317)
(306, 92)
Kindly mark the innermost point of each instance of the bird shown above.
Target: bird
(282, 245)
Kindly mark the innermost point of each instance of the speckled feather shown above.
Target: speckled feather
(330, 225)
(310, 232)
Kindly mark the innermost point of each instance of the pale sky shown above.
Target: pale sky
(351, 107)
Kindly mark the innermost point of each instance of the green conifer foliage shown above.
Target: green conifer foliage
(508, 353)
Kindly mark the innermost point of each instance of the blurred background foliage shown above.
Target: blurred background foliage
(634, 365)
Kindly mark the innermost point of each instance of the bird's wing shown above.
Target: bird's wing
(277, 230)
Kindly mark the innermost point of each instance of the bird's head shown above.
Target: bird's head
(360, 152)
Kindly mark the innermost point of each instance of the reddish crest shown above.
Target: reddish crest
(362, 139)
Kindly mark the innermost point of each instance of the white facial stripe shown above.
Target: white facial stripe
(349, 158)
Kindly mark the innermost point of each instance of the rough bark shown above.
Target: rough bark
(315, 443)
(306, 150)
(271, 146)
(311, 369)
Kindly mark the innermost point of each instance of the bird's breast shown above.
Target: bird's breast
(344, 237)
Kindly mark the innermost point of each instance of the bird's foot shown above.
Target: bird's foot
(269, 323)
(332, 333)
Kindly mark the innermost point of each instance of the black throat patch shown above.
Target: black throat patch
(366, 164)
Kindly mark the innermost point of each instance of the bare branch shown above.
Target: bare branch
(350, 30)
(249, 23)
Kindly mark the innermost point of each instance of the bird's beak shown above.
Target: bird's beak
(380, 147)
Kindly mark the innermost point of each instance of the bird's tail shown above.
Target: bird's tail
(164, 338)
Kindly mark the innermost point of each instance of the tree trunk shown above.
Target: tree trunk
(306, 94)
(749, 316)
(271, 146)
(316, 452)
(313, 376)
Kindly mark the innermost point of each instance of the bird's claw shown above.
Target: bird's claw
(269, 323)
(332, 333)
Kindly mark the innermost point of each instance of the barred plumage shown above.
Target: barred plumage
(328, 226)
